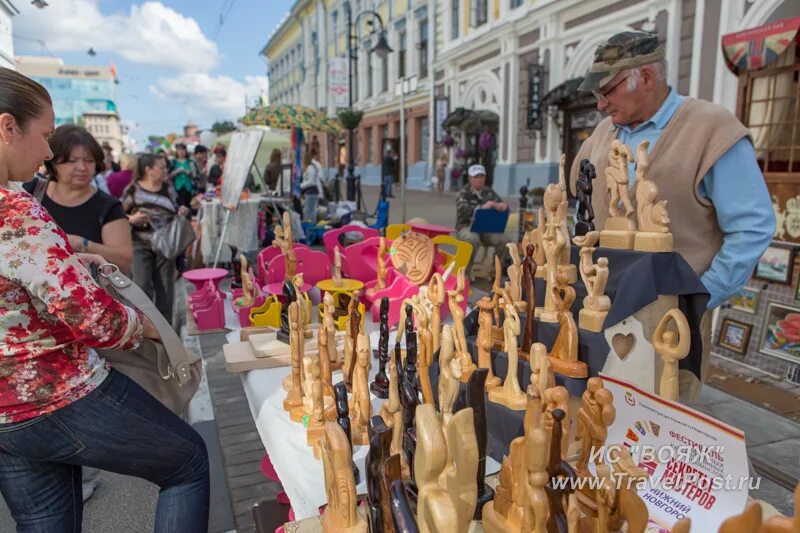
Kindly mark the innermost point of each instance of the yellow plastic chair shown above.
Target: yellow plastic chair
(463, 251)
(268, 314)
(393, 231)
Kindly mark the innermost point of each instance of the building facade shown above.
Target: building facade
(105, 127)
(7, 12)
(307, 57)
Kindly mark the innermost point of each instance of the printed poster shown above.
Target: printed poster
(698, 466)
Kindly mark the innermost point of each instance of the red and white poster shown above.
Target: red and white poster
(697, 465)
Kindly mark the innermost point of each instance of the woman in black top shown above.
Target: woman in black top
(93, 220)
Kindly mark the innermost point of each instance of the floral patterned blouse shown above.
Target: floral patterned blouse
(51, 315)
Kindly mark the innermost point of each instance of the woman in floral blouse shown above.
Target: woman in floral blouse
(60, 405)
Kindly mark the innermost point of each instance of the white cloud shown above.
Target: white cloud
(151, 33)
(209, 98)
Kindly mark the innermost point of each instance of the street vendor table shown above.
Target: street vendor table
(431, 230)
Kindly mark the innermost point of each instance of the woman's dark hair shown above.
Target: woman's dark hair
(182, 146)
(65, 139)
(275, 156)
(21, 97)
(143, 162)
(200, 149)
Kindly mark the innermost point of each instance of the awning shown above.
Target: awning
(759, 47)
(565, 91)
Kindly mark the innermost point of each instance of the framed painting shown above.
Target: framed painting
(746, 300)
(776, 265)
(780, 333)
(734, 335)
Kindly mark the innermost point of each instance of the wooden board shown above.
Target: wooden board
(239, 357)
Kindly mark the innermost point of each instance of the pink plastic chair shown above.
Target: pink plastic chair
(268, 254)
(369, 298)
(362, 259)
(331, 237)
(209, 314)
(314, 265)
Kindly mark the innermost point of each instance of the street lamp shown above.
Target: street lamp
(382, 50)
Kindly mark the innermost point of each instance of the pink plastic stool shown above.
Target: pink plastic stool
(199, 276)
(267, 469)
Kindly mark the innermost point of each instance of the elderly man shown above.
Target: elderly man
(472, 196)
(701, 158)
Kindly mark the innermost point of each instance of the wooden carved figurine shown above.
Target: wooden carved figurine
(294, 397)
(305, 305)
(391, 411)
(380, 437)
(528, 272)
(341, 514)
(595, 277)
(328, 324)
(449, 374)
(514, 271)
(424, 352)
(620, 228)
(672, 345)
(314, 404)
(436, 296)
(436, 510)
(362, 408)
(484, 341)
(380, 387)
(343, 419)
(564, 355)
(354, 328)
(409, 394)
(652, 215)
(510, 394)
(535, 238)
(337, 267)
(403, 518)
(629, 506)
(584, 188)
(455, 297)
(248, 293)
(558, 468)
(595, 414)
(458, 477)
(554, 243)
(381, 281)
(289, 297)
(556, 398)
(536, 452)
(326, 373)
(285, 241)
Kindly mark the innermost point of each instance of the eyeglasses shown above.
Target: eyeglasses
(602, 94)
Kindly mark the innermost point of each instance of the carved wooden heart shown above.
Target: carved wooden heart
(623, 344)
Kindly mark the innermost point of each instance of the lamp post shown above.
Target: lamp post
(381, 49)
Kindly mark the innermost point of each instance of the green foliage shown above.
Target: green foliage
(350, 118)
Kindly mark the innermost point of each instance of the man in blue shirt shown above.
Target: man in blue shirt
(703, 163)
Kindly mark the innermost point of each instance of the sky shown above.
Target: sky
(175, 61)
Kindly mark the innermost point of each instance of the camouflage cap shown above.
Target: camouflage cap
(624, 50)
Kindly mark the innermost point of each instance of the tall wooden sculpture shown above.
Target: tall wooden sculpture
(528, 273)
(595, 414)
(341, 514)
(455, 297)
(343, 419)
(476, 400)
(305, 305)
(294, 397)
(510, 394)
(672, 346)
(409, 394)
(354, 328)
(620, 228)
(584, 188)
(436, 296)
(380, 387)
(555, 243)
(289, 296)
(362, 408)
(284, 240)
(652, 215)
(424, 352)
(449, 373)
(484, 342)
(564, 355)
(329, 326)
(391, 411)
(380, 437)
(595, 277)
(514, 284)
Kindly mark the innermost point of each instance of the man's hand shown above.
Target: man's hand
(500, 206)
(489, 205)
(183, 211)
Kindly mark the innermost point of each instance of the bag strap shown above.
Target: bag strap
(176, 351)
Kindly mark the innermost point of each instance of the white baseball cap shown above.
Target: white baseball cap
(476, 170)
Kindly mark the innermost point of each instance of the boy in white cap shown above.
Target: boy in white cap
(473, 195)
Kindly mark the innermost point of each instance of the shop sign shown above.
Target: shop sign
(338, 87)
(535, 86)
(441, 110)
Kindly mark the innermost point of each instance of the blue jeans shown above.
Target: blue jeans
(310, 205)
(117, 427)
(388, 184)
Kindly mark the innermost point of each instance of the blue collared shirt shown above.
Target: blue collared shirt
(736, 188)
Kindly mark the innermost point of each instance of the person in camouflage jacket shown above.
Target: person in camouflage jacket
(472, 196)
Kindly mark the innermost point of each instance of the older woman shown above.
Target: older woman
(61, 407)
(118, 181)
(93, 220)
(151, 204)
